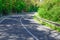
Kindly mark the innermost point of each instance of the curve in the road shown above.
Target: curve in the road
(22, 25)
(27, 29)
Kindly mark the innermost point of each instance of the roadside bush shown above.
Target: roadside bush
(20, 5)
(0, 7)
(50, 10)
(32, 8)
(8, 6)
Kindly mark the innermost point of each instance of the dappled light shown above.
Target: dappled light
(15, 30)
(29, 20)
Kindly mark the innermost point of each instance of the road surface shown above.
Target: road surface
(23, 27)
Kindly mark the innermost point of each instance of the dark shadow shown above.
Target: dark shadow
(19, 33)
(9, 21)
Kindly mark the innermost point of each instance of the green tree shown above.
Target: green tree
(0, 7)
(50, 10)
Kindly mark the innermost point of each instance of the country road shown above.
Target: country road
(23, 27)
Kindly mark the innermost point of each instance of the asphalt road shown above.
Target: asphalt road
(23, 27)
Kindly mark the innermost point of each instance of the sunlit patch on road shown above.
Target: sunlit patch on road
(3, 35)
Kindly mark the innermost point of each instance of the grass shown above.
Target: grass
(52, 26)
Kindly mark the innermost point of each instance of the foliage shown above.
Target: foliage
(31, 5)
(7, 6)
(0, 7)
(20, 5)
(52, 26)
(50, 10)
(32, 8)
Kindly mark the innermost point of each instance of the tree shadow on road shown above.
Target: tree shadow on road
(17, 31)
(40, 34)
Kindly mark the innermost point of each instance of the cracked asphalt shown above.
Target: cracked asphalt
(23, 27)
